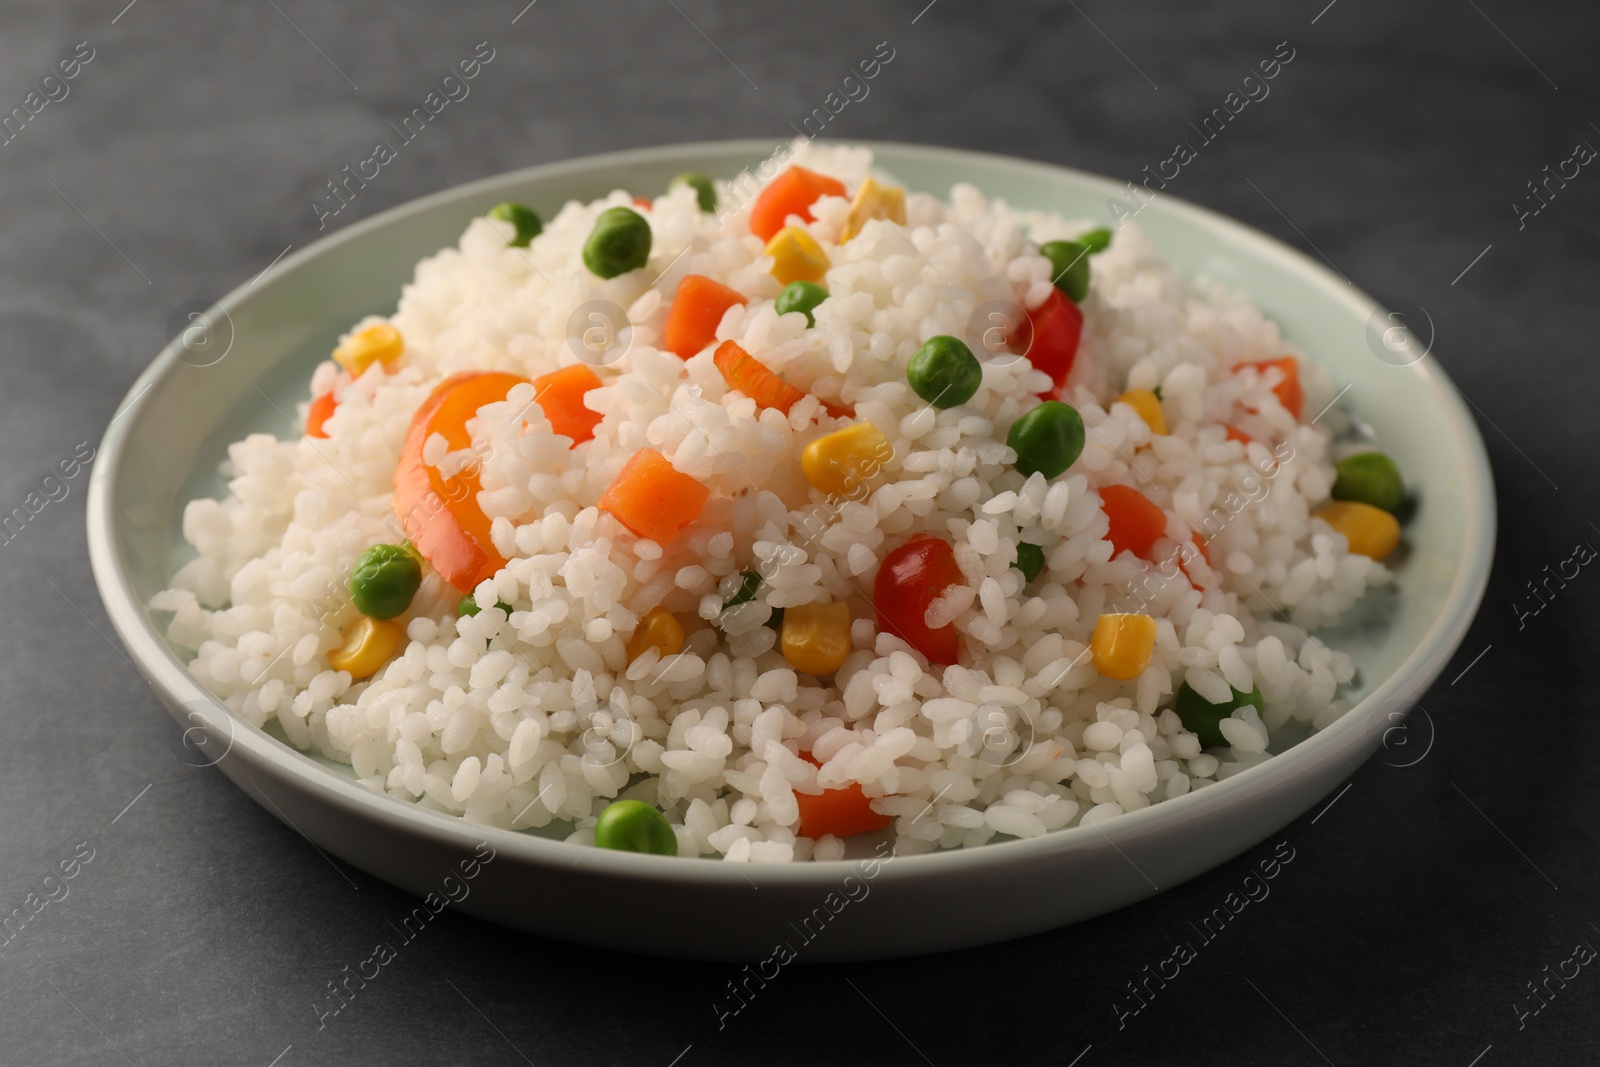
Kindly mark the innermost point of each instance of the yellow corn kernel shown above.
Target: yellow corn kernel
(796, 256)
(1148, 407)
(842, 463)
(368, 645)
(1122, 645)
(660, 630)
(816, 637)
(1371, 531)
(378, 343)
(874, 201)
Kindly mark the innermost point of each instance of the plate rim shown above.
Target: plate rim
(1400, 690)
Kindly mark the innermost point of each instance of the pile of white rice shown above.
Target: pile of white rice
(539, 719)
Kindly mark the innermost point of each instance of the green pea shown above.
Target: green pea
(384, 581)
(944, 372)
(801, 297)
(1202, 718)
(1371, 478)
(749, 582)
(1069, 267)
(468, 607)
(704, 191)
(1097, 240)
(1030, 561)
(634, 826)
(1048, 439)
(620, 242)
(523, 218)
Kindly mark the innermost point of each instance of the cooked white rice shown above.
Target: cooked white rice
(538, 719)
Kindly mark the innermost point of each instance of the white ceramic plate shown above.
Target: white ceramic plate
(163, 448)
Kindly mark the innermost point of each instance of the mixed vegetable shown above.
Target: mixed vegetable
(1069, 262)
(696, 311)
(802, 297)
(1047, 439)
(705, 193)
(634, 826)
(620, 243)
(440, 514)
(1049, 337)
(790, 193)
(909, 579)
(385, 579)
(525, 222)
(944, 372)
(911, 598)
(1030, 561)
(1204, 719)
(653, 498)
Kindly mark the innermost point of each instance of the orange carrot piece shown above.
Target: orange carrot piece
(441, 515)
(1136, 523)
(840, 812)
(838, 411)
(1204, 553)
(560, 393)
(790, 193)
(317, 414)
(652, 498)
(322, 407)
(1235, 434)
(697, 308)
(1288, 391)
(750, 376)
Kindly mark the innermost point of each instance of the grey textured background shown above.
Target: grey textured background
(1460, 863)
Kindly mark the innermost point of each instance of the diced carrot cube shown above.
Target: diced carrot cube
(652, 498)
(1288, 391)
(790, 193)
(697, 309)
(840, 812)
(560, 394)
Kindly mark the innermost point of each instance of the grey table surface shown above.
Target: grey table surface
(1425, 906)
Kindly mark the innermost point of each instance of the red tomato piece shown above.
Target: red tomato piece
(1136, 523)
(908, 581)
(1055, 328)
